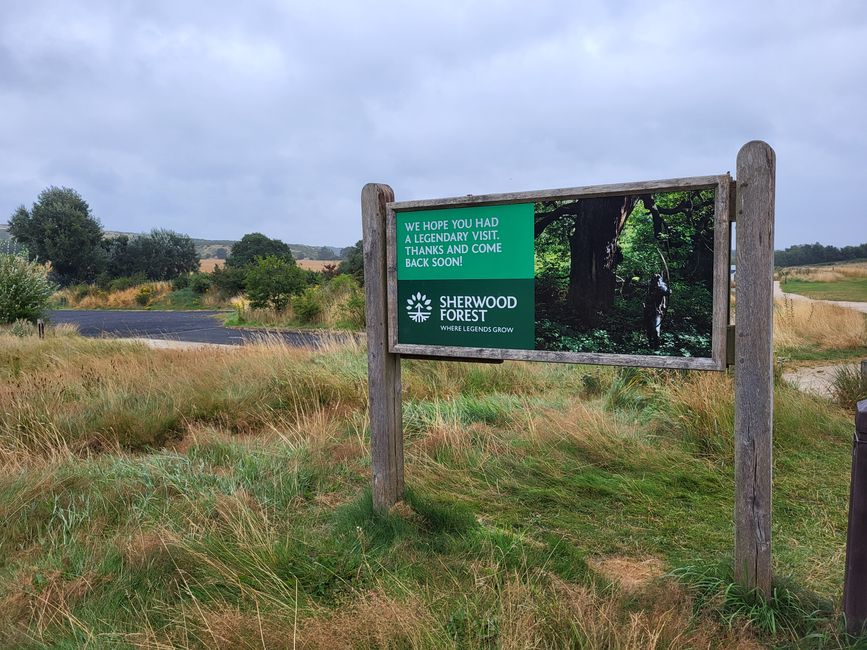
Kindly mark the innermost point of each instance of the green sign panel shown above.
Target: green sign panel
(465, 276)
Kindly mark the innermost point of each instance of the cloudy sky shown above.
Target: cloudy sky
(217, 118)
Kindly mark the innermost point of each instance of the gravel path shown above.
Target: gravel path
(848, 304)
(816, 379)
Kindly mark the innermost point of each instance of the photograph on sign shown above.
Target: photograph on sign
(564, 278)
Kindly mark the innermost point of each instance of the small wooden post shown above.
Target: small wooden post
(383, 368)
(864, 370)
(40, 328)
(754, 389)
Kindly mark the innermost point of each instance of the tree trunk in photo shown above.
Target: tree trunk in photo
(595, 255)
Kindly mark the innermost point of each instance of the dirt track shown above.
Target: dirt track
(815, 379)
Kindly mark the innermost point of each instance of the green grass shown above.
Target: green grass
(816, 353)
(852, 289)
(181, 299)
(247, 521)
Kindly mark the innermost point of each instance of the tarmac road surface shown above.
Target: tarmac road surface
(191, 326)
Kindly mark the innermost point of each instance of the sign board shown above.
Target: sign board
(630, 274)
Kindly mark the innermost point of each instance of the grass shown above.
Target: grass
(851, 289)
(219, 498)
(151, 295)
(815, 325)
(827, 282)
(849, 386)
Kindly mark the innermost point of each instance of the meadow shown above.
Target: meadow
(832, 282)
(219, 498)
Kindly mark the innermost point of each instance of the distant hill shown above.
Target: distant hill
(208, 248)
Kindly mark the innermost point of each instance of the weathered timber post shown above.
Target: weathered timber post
(864, 370)
(855, 579)
(754, 389)
(40, 328)
(383, 368)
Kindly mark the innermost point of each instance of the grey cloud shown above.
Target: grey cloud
(218, 118)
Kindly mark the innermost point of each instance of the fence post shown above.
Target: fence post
(754, 390)
(855, 580)
(383, 368)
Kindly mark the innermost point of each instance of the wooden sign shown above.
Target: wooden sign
(632, 274)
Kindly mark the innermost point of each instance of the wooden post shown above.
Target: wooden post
(383, 368)
(754, 389)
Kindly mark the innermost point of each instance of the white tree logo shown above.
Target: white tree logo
(419, 307)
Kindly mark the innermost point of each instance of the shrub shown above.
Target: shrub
(355, 310)
(23, 328)
(200, 282)
(181, 282)
(272, 281)
(229, 280)
(81, 291)
(849, 386)
(308, 305)
(25, 290)
(127, 282)
(145, 294)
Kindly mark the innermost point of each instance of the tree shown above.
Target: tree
(117, 259)
(353, 261)
(61, 229)
(255, 245)
(229, 280)
(161, 255)
(221, 253)
(325, 253)
(272, 281)
(593, 228)
(25, 289)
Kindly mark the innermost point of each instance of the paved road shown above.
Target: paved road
(193, 326)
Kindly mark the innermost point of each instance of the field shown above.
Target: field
(317, 265)
(838, 282)
(854, 289)
(206, 265)
(218, 498)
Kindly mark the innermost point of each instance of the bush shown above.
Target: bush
(25, 290)
(308, 305)
(127, 282)
(272, 281)
(355, 310)
(145, 294)
(181, 282)
(849, 386)
(200, 282)
(229, 280)
(23, 328)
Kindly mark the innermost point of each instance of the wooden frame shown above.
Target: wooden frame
(722, 209)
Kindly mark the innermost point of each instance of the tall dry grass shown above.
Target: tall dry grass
(824, 273)
(799, 323)
(246, 529)
(94, 298)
